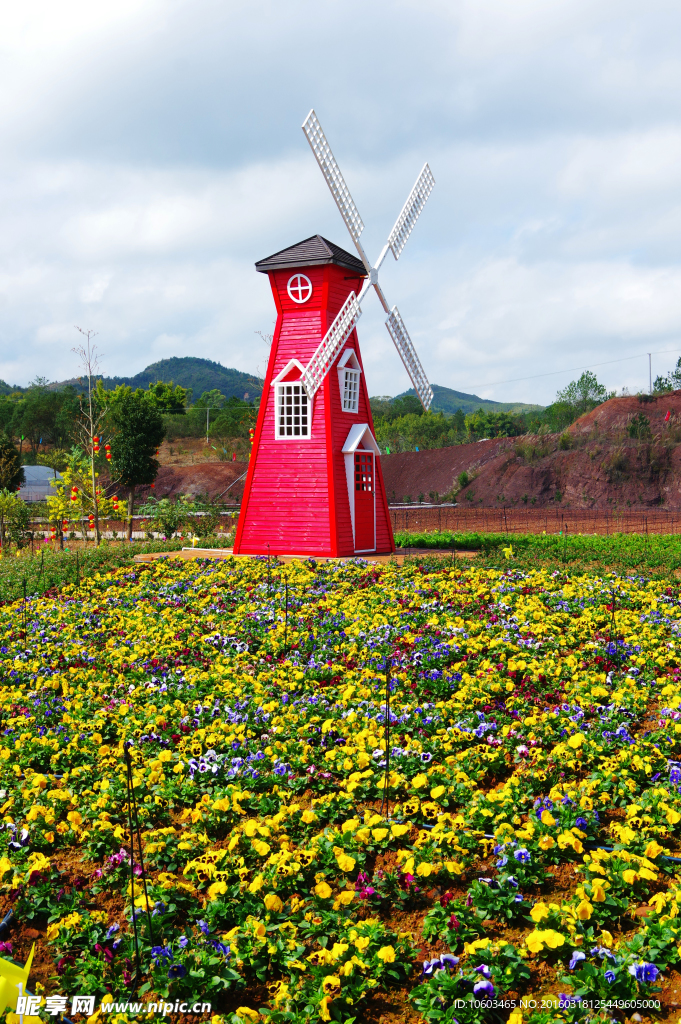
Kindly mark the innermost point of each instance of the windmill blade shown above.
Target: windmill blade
(403, 344)
(331, 344)
(404, 225)
(334, 179)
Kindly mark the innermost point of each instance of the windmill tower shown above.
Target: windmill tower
(314, 483)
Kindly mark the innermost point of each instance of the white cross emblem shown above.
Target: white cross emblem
(299, 288)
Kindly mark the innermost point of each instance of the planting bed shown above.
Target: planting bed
(533, 796)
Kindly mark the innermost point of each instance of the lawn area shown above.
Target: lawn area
(49, 569)
(656, 554)
(361, 793)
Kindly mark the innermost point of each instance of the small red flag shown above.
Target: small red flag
(667, 416)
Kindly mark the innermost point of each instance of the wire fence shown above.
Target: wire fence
(416, 519)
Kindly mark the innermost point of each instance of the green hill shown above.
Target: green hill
(448, 401)
(191, 372)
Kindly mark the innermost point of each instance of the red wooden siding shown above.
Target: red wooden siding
(296, 497)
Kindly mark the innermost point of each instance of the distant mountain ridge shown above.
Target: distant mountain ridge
(190, 372)
(204, 375)
(448, 401)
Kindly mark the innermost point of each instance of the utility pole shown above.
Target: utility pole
(650, 373)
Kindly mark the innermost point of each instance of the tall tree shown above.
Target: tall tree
(168, 398)
(11, 472)
(14, 519)
(136, 427)
(671, 382)
(583, 394)
(211, 400)
(44, 415)
(75, 496)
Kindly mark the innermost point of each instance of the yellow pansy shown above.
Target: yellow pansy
(345, 862)
(537, 940)
(539, 912)
(584, 910)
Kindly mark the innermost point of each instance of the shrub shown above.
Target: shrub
(11, 473)
(616, 467)
(639, 427)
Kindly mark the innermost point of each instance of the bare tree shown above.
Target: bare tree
(87, 427)
(268, 339)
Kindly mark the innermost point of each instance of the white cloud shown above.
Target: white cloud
(153, 152)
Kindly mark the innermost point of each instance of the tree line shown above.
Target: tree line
(45, 416)
(100, 442)
(402, 425)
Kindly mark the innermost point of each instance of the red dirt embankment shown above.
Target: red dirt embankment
(595, 465)
(215, 479)
(599, 466)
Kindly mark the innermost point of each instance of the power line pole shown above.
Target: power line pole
(650, 373)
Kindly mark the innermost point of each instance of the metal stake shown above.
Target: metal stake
(387, 742)
(132, 808)
(132, 870)
(286, 618)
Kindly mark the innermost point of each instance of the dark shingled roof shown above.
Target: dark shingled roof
(312, 252)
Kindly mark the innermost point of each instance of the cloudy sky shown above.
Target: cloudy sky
(151, 152)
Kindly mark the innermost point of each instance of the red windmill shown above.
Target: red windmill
(314, 484)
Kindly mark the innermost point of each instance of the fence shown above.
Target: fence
(425, 519)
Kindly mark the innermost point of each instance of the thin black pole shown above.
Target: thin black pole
(139, 842)
(286, 618)
(132, 870)
(387, 743)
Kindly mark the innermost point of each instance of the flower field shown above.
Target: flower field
(360, 792)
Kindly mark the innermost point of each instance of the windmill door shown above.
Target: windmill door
(365, 517)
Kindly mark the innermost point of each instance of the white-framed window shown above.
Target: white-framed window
(348, 381)
(350, 390)
(293, 414)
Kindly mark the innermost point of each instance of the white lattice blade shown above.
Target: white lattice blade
(403, 343)
(334, 179)
(331, 344)
(404, 225)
